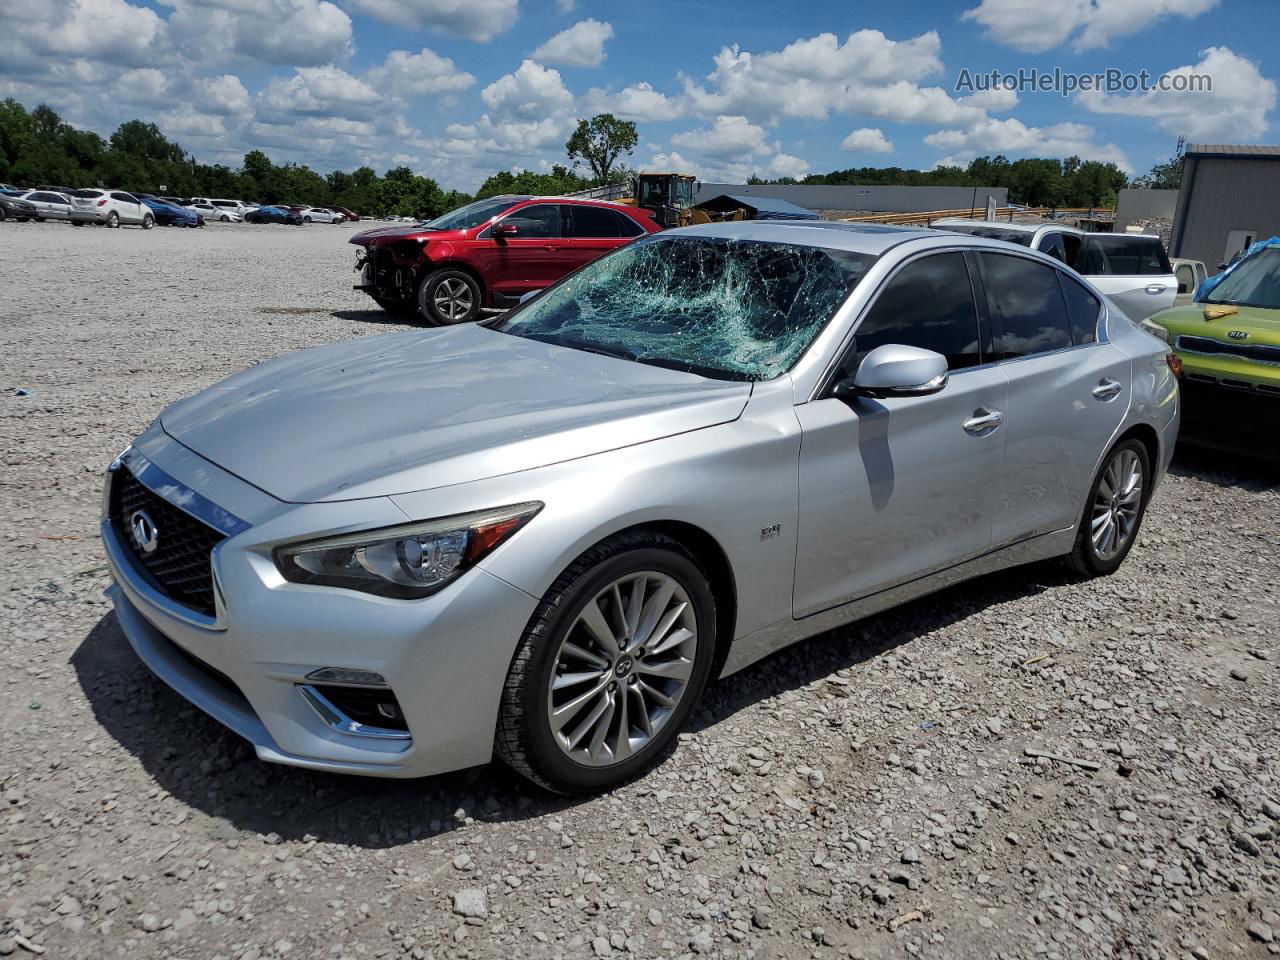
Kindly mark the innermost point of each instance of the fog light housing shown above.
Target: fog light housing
(346, 675)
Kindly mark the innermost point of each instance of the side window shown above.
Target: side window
(1028, 314)
(123, 197)
(1071, 251)
(1082, 307)
(626, 226)
(1186, 275)
(537, 221)
(1051, 243)
(1125, 256)
(591, 222)
(929, 304)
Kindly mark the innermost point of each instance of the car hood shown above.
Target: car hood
(399, 231)
(393, 414)
(1263, 322)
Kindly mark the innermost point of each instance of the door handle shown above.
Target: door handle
(1107, 389)
(1156, 288)
(984, 422)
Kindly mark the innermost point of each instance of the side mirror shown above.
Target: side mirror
(501, 230)
(895, 370)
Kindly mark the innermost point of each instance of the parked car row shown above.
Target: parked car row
(116, 208)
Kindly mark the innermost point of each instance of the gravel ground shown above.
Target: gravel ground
(1024, 766)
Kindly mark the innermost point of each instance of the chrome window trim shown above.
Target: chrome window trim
(335, 718)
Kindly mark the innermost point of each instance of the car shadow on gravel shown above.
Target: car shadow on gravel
(206, 766)
(373, 316)
(1226, 468)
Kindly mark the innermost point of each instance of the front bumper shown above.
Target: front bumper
(445, 657)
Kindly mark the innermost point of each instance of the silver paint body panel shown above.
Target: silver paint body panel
(866, 504)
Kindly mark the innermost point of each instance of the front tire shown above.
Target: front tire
(613, 660)
(1113, 512)
(148, 222)
(449, 296)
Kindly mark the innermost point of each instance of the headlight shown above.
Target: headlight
(1155, 329)
(409, 561)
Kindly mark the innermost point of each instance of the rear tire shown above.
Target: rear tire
(1113, 512)
(449, 296)
(650, 691)
(113, 219)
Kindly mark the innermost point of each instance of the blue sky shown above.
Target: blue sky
(460, 88)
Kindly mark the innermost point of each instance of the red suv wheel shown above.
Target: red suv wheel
(449, 296)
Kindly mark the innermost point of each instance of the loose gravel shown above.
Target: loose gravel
(1024, 766)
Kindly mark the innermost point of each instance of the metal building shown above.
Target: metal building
(1230, 197)
(870, 199)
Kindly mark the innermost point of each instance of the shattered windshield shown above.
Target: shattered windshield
(729, 309)
(473, 214)
(1253, 283)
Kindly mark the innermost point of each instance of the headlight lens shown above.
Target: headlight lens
(1155, 329)
(409, 561)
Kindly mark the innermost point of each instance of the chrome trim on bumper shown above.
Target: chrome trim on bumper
(331, 714)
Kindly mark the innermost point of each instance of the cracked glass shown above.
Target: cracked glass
(723, 308)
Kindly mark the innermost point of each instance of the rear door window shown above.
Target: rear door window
(1051, 243)
(1124, 256)
(1027, 309)
(585, 221)
(1082, 309)
(928, 303)
(123, 198)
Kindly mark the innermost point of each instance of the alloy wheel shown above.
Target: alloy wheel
(452, 299)
(622, 669)
(1117, 505)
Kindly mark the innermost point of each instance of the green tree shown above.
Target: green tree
(599, 142)
(1163, 176)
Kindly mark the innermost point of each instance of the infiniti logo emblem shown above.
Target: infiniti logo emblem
(143, 531)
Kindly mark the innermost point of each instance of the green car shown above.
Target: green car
(1229, 345)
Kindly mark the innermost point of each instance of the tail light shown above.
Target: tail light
(1175, 363)
(102, 202)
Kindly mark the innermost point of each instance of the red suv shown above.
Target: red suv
(490, 253)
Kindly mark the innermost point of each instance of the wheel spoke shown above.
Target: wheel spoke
(564, 680)
(593, 619)
(641, 710)
(600, 725)
(622, 745)
(668, 669)
(671, 641)
(581, 653)
(588, 723)
(635, 605)
(652, 616)
(655, 694)
(567, 711)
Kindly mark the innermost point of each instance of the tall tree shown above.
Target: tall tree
(600, 141)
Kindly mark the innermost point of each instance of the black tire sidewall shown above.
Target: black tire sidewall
(148, 222)
(113, 219)
(1096, 564)
(426, 299)
(543, 752)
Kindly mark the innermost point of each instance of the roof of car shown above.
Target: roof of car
(1018, 225)
(871, 238)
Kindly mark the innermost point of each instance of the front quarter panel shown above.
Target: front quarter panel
(736, 482)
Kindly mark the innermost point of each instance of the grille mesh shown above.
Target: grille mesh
(1259, 352)
(180, 564)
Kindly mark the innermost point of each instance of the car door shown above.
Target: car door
(1069, 390)
(1132, 270)
(529, 259)
(591, 232)
(894, 489)
(129, 207)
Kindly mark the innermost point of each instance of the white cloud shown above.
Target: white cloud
(480, 20)
(328, 92)
(811, 77)
(1234, 111)
(1012, 136)
(582, 45)
(108, 31)
(286, 32)
(867, 140)
(639, 101)
(531, 92)
(145, 86)
(419, 74)
(785, 165)
(224, 94)
(728, 136)
(1036, 27)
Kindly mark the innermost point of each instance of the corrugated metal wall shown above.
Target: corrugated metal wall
(1220, 195)
(868, 199)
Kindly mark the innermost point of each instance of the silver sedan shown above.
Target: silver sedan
(541, 536)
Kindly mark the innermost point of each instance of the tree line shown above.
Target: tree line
(37, 147)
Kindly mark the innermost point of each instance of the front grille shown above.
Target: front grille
(1257, 352)
(180, 565)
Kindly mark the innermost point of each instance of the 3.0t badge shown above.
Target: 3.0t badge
(143, 531)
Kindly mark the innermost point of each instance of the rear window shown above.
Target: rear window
(87, 194)
(223, 203)
(1020, 237)
(1126, 256)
